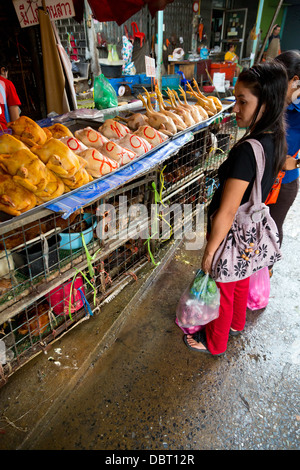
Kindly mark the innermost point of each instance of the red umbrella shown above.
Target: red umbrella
(118, 10)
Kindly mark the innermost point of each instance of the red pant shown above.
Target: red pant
(233, 306)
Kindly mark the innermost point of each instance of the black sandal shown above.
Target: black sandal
(200, 337)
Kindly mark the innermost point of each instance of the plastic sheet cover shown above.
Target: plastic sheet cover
(70, 203)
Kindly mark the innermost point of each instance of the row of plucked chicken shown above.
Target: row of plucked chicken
(39, 164)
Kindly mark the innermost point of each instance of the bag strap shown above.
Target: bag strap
(259, 154)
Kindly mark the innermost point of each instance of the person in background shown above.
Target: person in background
(273, 49)
(290, 183)
(231, 56)
(9, 100)
(263, 117)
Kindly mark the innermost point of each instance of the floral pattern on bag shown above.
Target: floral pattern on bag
(253, 240)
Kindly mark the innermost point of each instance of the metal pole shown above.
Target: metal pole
(160, 17)
(269, 31)
(258, 21)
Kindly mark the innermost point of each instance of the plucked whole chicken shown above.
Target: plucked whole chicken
(135, 121)
(54, 188)
(150, 134)
(178, 121)
(135, 143)
(90, 137)
(159, 121)
(113, 129)
(97, 163)
(74, 144)
(14, 199)
(118, 153)
(28, 131)
(26, 169)
(59, 158)
(9, 144)
(58, 131)
(184, 113)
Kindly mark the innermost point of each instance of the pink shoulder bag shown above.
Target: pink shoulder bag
(253, 241)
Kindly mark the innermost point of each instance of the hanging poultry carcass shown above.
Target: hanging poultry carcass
(135, 143)
(158, 120)
(113, 129)
(186, 115)
(90, 137)
(150, 134)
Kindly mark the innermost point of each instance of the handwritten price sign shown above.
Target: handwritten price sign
(27, 10)
(150, 66)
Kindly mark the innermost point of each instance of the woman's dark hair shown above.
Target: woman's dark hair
(268, 82)
(291, 61)
(3, 61)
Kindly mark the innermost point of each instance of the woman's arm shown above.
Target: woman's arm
(232, 196)
(14, 112)
(290, 163)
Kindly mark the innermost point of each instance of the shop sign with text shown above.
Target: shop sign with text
(27, 10)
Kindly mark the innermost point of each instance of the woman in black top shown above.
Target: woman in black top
(260, 98)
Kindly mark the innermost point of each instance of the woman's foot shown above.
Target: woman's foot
(233, 332)
(197, 341)
(192, 343)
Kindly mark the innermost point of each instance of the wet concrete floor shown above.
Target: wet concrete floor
(136, 386)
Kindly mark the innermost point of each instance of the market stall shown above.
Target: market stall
(62, 256)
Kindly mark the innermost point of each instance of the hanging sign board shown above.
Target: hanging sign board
(27, 10)
(150, 66)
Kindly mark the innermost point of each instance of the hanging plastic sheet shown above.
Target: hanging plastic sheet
(118, 10)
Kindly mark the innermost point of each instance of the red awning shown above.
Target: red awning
(118, 10)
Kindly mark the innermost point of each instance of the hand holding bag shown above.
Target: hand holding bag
(200, 302)
(253, 241)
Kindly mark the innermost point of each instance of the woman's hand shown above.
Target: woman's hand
(290, 163)
(207, 262)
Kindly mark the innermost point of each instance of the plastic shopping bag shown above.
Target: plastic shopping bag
(199, 303)
(259, 289)
(104, 94)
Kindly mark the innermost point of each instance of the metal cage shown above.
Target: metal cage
(55, 271)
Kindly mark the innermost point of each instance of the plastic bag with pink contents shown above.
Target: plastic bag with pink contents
(259, 289)
(199, 304)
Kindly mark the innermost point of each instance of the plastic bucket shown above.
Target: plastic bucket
(59, 298)
(73, 241)
(36, 258)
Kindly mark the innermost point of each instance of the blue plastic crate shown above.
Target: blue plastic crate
(170, 81)
(144, 80)
(116, 83)
(131, 80)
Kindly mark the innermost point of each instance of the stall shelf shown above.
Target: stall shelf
(63, 259)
